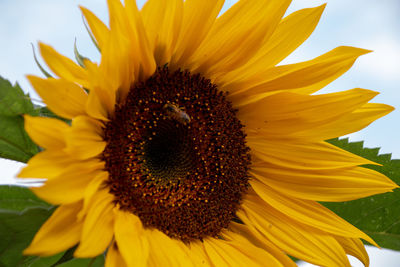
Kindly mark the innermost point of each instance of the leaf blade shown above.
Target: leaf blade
(13, 101)
(379, 215)
(15, 143)
(18, 229)
(19, 199)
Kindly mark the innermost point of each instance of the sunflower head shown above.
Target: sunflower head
(176, 155)
(188, 144)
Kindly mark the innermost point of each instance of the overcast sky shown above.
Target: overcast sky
(369, 24)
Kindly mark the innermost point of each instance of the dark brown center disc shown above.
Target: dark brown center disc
(176, 155)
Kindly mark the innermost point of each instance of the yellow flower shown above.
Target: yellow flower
(189, 146)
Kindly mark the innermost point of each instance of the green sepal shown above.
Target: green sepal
(79, 58)
(45, 73)
(90, 34)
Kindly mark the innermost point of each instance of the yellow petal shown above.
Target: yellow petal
(291, 32)
(258, 240)
(70, 185)
(162, 20)
(62, 97)
(114, 257)
(147, 62)
(308, 212)
(62, 66)
(197, 253)
(198, 18)
(118, 16)
(305, 77)
(127, 56)
(95, 107)
(294, 238)
(340, 185)
(97, 27)
(237, 35)
(167, 251)
(60, 232)
(102, 95)
(153, 14)
(121, 58)
(46, 164)
(215, 257)
(98, 227)
(301, 155)
(84, 140)
(163, 24)
(353, 122)
(354, 247)
(285, 114)
(237, 253)
(46, 132)
(91, 190)
(131, 239)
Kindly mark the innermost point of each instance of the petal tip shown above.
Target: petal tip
(390, 108)
(322, 7)
(44, 47)
(83, 9)
(366, 51)
(35, 251)
(28, 251)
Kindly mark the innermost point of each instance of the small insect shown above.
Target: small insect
(176, 113)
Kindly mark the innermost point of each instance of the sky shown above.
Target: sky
(369, 24)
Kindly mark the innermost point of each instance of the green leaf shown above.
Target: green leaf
(34, 261)
(21, 215)
(15, 144)
(16, 232)
(16, 198)
(13, 101)
(95, 262)
(45, 112)
(68, 255)
(379, 215)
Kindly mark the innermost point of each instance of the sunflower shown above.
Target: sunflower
(189, 146)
